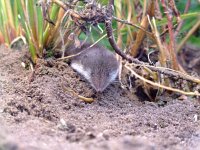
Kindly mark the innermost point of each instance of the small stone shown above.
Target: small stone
(66, 126)
(104, 135)
(1, 110)
(195, 118)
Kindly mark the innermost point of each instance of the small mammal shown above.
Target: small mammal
(97, 64)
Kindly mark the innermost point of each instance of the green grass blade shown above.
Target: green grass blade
(15, 16)
(4, 20)
(26, 26)
(40, 28)
(53, 16)
(30, 7)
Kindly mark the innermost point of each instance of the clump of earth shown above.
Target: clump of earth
(40, 111)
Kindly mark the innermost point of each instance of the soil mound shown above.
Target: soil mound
(39, 111)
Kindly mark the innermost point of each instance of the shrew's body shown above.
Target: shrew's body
(97, 64)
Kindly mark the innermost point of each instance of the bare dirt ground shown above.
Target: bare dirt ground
(43, 114)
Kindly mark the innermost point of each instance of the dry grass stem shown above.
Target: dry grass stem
(85, 99)
(128, 66)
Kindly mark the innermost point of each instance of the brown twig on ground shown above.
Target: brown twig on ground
(85, 99)
(172, 73)
(128, 66)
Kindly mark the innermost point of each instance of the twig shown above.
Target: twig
(174, 9)
(140, 35)
(182, 22)
(107, 17)
(85, 99)
(196, 93)
(111, 39)
(134, 25)
(172, 73)
(68, 57)
(108, 24)
(169, 15)
(163, 52)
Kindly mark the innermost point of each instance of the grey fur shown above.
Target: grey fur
(97, 64)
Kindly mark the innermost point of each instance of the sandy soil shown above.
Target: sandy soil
(44, 114)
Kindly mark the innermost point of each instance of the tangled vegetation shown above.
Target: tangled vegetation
(133, 29)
